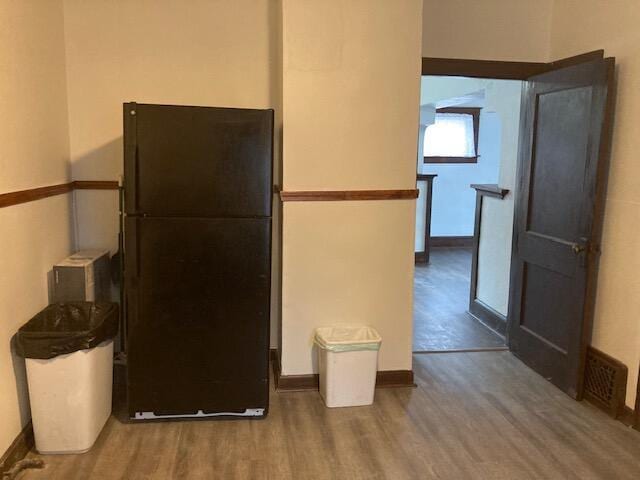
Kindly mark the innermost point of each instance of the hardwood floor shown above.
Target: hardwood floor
(481, 415)
(441, 300)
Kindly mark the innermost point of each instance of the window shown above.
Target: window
(453, 138)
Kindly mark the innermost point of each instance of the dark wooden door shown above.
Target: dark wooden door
(562, 165)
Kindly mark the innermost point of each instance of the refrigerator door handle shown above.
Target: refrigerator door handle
(136, 252)
(130, 157)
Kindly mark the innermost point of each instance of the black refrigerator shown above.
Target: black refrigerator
(197, 260)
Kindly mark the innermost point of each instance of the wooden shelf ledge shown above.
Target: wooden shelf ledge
(490, 190)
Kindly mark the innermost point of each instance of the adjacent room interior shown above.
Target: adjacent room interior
(468, 148)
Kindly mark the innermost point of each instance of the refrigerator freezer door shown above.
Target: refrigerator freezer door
(198, 310)
(197, 161)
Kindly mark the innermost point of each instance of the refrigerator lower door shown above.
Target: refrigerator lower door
(198, 316)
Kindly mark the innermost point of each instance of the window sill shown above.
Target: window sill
(451, 159)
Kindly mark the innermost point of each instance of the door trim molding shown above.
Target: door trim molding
(344, 195)
(24, 196)
(498, 69)
(636, 413)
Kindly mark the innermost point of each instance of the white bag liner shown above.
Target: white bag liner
(347, 338)
(347, 364)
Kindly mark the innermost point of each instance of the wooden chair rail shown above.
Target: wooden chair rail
(32, 194)
(342, 195)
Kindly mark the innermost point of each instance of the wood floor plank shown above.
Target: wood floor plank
(479, 416)
(441, 300)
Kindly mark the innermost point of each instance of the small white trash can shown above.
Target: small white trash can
(348, 363)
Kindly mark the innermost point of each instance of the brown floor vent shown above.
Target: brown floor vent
(605, 383)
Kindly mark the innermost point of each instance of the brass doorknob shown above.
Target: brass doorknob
(578, 248)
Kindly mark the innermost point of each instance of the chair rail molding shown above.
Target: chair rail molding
(32, 194)
(345, 195)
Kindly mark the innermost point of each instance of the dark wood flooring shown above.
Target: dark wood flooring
(441, 300)
(472, 416)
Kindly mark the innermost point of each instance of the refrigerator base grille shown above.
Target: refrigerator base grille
(249, 412)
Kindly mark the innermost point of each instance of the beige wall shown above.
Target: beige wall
(487, 29)
(349, 88)
(213, 52)
(351, 79)
(34, 149)
(580, 26)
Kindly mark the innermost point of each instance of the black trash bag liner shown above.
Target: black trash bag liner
(66, 328)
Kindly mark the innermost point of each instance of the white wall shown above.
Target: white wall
(34, 152)
(454, 201)
(351, 83)
(213, 53)
(432, 90)
(580, 26)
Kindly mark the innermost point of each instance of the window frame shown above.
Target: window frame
(475, 114)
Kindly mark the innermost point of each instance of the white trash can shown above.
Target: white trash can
(348, 363)
(68, 350)
(70, 398)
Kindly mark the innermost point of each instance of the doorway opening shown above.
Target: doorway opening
(467, 157)
(564, 137)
